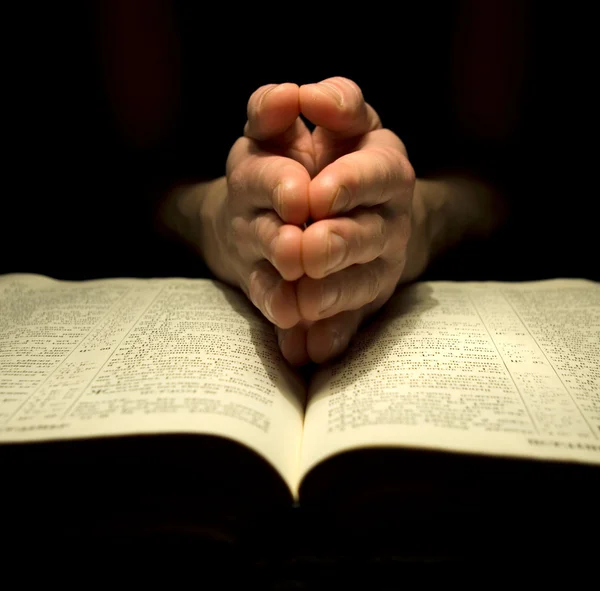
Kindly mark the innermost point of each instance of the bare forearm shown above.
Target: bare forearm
(189, 214)
(447, 211)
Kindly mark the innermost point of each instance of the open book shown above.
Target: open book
(99, 378)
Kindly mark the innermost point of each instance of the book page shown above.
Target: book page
(142, 356)
(501, 368)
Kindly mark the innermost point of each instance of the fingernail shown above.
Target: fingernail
(337, 250)
(278, 200)
(332, 91)
(340, 200)
(336, 344)
(263, 96)
(269, 309)
(281, 336)
(328, 298)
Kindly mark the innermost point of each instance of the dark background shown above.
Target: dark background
(109, 103)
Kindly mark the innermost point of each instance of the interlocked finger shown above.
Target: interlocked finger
(272, 295)
(349, 289)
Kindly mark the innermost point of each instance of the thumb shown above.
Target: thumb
(274, 120)
(337, 105)
(272, 109)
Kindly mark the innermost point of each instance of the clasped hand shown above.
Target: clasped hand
(314, 225)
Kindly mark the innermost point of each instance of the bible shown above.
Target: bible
(167, 402)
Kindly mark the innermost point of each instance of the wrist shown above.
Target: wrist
(192, 214)
(419, 248)
(430, 206)
(455, 209)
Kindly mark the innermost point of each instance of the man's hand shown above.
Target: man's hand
(266, 204)
(354, 251)
(313, 226)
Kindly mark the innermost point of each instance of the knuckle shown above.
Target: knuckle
(271, 174)
(239, 231)
(380, 235)
(409, 174)
(382, 160)
(396, 266)
(235, 237)
(238, 148)
(393, 166)
(371, 242)
(350, 167)
(397, 246)
(383, 174)
(236, 183)
(405, 231)
(263, 170)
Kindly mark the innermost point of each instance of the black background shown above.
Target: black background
(109, 103)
